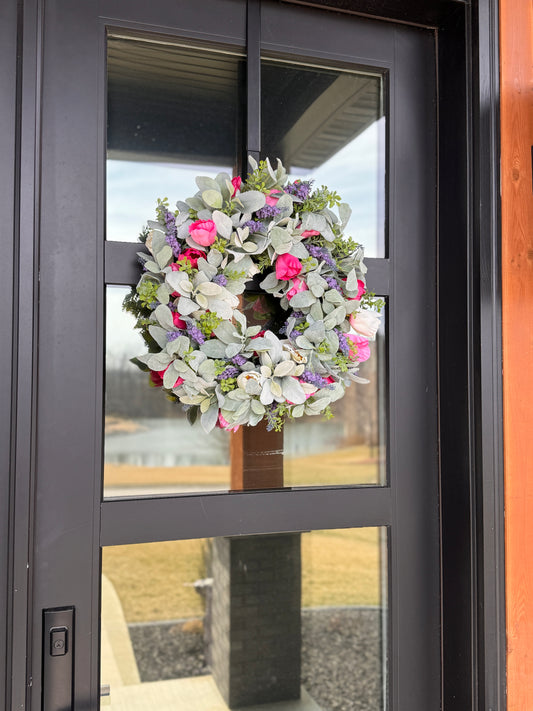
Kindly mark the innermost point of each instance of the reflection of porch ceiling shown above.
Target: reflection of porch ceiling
(166, 103)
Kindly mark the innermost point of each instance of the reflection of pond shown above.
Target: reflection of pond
(169, 442)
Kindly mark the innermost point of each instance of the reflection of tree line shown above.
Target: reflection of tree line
(129, 396)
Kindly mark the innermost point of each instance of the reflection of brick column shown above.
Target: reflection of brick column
(255, 618)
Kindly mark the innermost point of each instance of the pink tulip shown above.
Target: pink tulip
(366, 323)
(272, 197)
(287, 267)
(156, 376)
(178, 322)
(359, 348)
(203, 232)
(297, 286)
(310, 233)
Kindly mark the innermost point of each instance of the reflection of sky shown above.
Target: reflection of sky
(123, 341)
(356, 172)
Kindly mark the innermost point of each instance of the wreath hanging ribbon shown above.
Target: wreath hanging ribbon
(284, 240)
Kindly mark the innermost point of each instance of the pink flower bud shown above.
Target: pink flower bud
(297, 286)
(236, 182)
(359, 348)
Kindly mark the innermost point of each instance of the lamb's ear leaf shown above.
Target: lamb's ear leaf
(209, 418)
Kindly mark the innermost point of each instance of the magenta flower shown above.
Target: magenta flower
(236, 182)
(272, 197)
(297, 286)
(359, 348)
(203, 232)
(287, 267)
(156, 376)
(225, 425)
(190, 255)
(310, 233)
(178, 322)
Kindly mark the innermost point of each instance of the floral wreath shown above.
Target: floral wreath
(270, 249)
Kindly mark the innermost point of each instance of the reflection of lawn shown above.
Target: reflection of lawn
(339, 567)
(350, 465)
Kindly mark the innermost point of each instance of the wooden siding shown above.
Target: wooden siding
(516, 39)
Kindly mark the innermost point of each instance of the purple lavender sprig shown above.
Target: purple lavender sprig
(315, 379)
(220, 279)
(172, 335)
(300, 189)
(268, 211)
(171, 236)
(333, 284)
(254, 226)
(230, 372)
(195, 333)
(344, 346)
(321, 253)
(239, 359)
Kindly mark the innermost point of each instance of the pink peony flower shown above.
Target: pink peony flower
(287, 267)
(178, 322)
(272, 197)
(236, 182)
(310, 233)
(366, 323)
(203, 232)
(190, 255)
(156, 376)
(297, 286)
(225, 425)
(359, 348)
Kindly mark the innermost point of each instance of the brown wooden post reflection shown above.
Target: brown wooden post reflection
(256, 458)
(256, 454)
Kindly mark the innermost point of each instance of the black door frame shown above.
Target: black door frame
(470, 425)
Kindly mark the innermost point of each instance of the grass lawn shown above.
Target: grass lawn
(153, 580)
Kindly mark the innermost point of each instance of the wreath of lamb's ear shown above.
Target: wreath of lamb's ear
(202, 351)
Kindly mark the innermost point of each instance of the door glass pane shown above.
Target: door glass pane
(150, 447)
(329, 125)
(173, 113)
(235, 622)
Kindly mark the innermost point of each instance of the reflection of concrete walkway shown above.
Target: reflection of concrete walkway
(161, 490)
(119, 671)
(198, 693)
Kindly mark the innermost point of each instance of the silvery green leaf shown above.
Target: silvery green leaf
(163, 294)
(213, 349)
(316, 311)
(275, 387)
(195, 203)
(181, 218)
(192, 415)
(254, 418)
(313, 221)
(298, 410)
(223, 179)
(240, 318)
(266, 396)
(316, 332)
(316, 290)
(351, 281)
(250, 247)
(299, 251)
(154, 225)
(159, 361)
(280, 236)
(195, 359)
(235, 286)
(271, 171)
(252, 200)
(212, 198)
(302, 299)
(345, 212)
(182, 206)
(199, 278)
(358, 379)
(143, 358)
(158, 241)
(208, 270)
(328, 307)
(202, 301)
(285, 206)
(286, 367)
(159, 335)
(232, 349)
(215, 257)
(327, 233)
(169, 378)
(204, 214)
(242, 412)
(316, 406)
(292, 390)
(238, 395)
(276, 349)
(209, 288)
(207, 369)
(164, 315)
(258, 344)
(258, 408)
(152, 267)
(303, 342)
(223, 224)
(333, 341)
(191, 399)
(330, 216)
(205, 183)
(252, 331)
(221, 308)
(270, 282)
(333, 296)
(205, 404)
(186, 306)
(226, 332)
(176, 279)
(252, 162)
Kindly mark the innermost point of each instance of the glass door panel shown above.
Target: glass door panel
(299, 618)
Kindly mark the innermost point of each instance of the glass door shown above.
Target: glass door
(257, 567)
